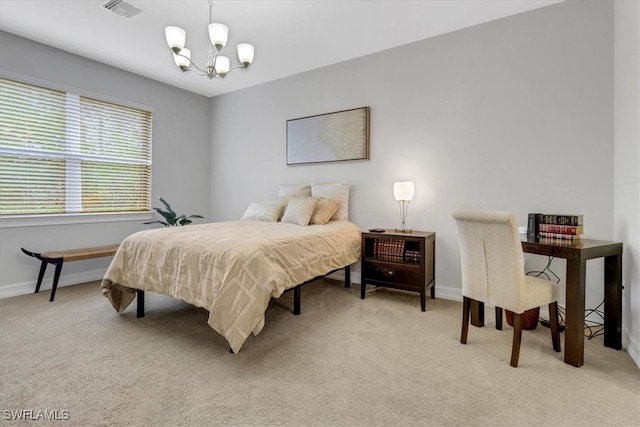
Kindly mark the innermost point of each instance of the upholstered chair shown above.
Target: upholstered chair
(493, 273)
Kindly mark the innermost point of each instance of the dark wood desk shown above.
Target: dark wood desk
(577, 253)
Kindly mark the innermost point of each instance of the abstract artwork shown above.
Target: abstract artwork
(331, 137)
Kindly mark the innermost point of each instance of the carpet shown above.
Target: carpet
(342, 362)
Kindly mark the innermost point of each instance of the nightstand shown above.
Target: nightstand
(403, 261)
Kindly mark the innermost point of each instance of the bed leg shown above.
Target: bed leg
(140, 301)
(347, 276)
(296, 300)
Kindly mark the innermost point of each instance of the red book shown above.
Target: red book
(558, 236)
(561, 229)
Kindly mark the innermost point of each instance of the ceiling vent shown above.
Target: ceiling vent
(122, 8)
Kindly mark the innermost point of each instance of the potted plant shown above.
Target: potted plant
(171, 219)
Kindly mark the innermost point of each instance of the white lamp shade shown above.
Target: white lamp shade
(222, 65)
(218, 34)
(176, 37)
(403, 190)
(180, 60)
(245, 53)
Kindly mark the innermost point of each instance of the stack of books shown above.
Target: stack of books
(388, 250)
(553, 226)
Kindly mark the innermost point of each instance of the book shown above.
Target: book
(561, 219)
(533, 224)
(561, 229)
(559, 236)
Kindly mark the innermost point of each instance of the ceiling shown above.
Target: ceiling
(290, 36)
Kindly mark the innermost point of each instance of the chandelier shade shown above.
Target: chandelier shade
(216, 65)
(218, 35)
(245, 53)
(183, 59)
(176, 38)
(222, 65)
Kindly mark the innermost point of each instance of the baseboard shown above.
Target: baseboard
(632, 346)
(15, 289)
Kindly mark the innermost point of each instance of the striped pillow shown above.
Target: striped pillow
(299, 210)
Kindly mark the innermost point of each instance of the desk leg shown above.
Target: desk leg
(613, 301)
(477, 313)
(574, 330)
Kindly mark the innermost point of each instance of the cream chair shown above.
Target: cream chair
(493, 273)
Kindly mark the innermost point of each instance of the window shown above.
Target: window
(63, 153)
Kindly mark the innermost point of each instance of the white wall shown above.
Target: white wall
(515, 114)
(627, 164)
(180, 168)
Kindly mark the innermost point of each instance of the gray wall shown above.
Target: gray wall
(627, 162)
(180, 164)
(515, 114)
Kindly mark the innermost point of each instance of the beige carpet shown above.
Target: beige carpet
(343, 362)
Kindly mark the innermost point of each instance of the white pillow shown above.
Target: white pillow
(280, 201)
(339, 192)
(262, 211)
(324, 211)
(295, 190)
(299, 210)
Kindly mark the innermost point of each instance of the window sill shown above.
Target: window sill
(43, 220)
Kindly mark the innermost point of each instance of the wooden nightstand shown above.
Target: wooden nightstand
(399, 260)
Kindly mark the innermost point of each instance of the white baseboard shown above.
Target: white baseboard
(15, 289)
(631, 345)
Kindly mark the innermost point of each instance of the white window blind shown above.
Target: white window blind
(65, 153)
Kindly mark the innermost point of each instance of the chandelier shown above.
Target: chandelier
(217, 65)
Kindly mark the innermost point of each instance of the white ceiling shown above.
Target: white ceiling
(290, 36)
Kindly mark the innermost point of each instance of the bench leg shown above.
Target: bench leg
(140, 301)
(56, 277)
(43, 268)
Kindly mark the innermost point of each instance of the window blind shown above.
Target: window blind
(65, 153)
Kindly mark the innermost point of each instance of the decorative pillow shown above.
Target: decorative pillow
(294, 190)
(339, 192)
(324, 211)
(280, 201)
(262, 211)
(299, 210)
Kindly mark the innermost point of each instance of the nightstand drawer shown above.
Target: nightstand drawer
(400, 274)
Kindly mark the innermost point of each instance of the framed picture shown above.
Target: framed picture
(331, 137)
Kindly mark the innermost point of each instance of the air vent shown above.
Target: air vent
(122, 8)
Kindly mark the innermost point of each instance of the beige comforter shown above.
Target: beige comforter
(232, 269)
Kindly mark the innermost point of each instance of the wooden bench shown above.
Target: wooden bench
(60, 257)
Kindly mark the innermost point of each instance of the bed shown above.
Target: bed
(232, 269)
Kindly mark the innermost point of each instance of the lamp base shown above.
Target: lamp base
(403, 230)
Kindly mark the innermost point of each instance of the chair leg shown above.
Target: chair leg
(553, 323)
(517, 339)
(466, 308)
(498, 318)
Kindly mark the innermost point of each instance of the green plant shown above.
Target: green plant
(171, 218)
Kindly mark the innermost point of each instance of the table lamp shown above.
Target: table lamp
(403, 193)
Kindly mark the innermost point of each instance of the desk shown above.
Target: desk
(577, 253)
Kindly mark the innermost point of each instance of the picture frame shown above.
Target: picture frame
(331, 137)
